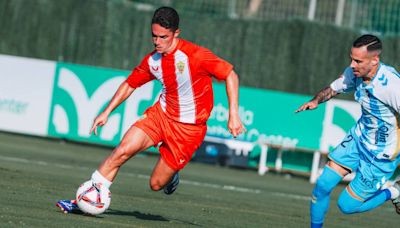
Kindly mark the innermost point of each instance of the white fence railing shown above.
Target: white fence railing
(381, 16)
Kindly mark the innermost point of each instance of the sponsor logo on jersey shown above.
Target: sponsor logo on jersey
(155, 68)
(381, 135)
(383, 80)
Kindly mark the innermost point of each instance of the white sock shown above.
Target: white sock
(98, 178)
(394, 192)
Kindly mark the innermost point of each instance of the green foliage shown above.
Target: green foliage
(288, 55)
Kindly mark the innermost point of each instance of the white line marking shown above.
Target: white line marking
(292, 196)
(141, 176)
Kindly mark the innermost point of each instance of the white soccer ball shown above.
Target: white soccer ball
(93, 198)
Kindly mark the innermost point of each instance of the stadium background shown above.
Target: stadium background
(295, 47)
(278, 48)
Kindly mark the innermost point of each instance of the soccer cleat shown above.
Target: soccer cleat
(68, 206)
(396, 202)
(172, 185)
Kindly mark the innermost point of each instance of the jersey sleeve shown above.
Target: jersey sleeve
(140, 75)
(214, 65)
(389, 91)
(345, 83)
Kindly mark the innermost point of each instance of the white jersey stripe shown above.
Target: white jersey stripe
(187, 105)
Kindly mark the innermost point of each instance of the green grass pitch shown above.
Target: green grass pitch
(35, 173)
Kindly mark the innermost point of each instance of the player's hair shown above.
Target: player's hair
(372, 42)
(167, 17)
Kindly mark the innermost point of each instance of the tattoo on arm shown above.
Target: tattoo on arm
(324, 95)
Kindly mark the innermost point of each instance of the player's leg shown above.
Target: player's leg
(330, 177)
(134, 141)
(162, 175)
(145, 133)
(180, 141)
(344, 159)
(396, 200)
(396, 185)
(350, 203)
(365, 192)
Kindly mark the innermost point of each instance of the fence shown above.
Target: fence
(287, 55)
(381, 16)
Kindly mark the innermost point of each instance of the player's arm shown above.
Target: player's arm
(322, 96)
(223, 70)
(123, 92)
(235, 125)
(345, 83)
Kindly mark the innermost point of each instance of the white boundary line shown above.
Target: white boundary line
(141, 176)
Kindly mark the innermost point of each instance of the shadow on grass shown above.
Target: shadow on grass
(146, 216)
(137, 214)
(79, 212)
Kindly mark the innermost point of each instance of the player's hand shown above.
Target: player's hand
(100, 120)
(308, 105)
(235, 126)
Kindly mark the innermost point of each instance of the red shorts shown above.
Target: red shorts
(179, 140)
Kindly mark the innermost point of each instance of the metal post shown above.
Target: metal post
(311, 10)
(353, 14)
(315, 167)
(262, 167)
(232, 9)
(339, 12)
(278, 161)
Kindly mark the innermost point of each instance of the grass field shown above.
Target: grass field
(35, 173)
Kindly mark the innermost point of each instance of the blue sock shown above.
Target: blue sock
(316, 225)
(350, 205)
(321, 195)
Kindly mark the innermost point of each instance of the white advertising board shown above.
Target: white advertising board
(25, 94)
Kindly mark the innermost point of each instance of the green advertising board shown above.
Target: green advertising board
(80, 93)
(268, 117)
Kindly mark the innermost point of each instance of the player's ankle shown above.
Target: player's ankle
(99, 178)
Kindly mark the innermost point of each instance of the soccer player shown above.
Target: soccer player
(177, 121)
(371, 147)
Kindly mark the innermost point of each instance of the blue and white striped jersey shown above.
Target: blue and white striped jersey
(377, 130)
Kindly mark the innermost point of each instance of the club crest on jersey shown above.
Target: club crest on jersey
(180, 66)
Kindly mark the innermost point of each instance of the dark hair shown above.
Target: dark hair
(372, 42)
(167, 17)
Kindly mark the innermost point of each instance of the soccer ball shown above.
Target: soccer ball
(93, 198)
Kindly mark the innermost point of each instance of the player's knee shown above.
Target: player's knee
(156, 184)
(326, 182)
(121, 154)
(345, 207)
(347, 204)
(322, 187)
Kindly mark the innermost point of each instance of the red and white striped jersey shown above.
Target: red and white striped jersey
(185, 75)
